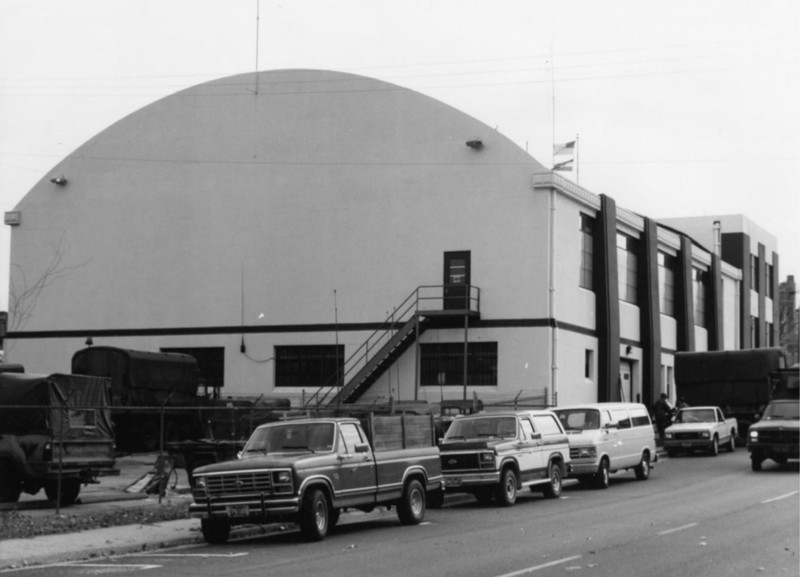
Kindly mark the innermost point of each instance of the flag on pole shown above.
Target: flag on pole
(566, 148)
(566, 165)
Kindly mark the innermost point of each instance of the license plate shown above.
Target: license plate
(238, 511)
(452, 481)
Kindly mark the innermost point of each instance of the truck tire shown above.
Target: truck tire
(552, 490)
(714, 450)
(411, 506)
(215, 531)
(10, 484)
(70, 489)
(732, 442)
(601, 478)
(643, 468)
(315, 516)
(507, 489)
(435, 499)
(755, 461)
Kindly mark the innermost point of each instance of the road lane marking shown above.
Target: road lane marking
(537, 567)
(194, 554)
(676, 529)
(111, 566)
(779, 497)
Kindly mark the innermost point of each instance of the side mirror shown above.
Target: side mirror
(609, 426)
(362, 448)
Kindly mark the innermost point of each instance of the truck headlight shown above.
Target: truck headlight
(486, 460)
(199, 489)
(705, 434)
(587, 453)
(667, 435)
(753, 436)
(282, 481)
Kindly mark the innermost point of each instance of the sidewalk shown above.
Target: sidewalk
(109, 494)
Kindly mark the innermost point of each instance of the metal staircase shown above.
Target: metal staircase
(390, 340)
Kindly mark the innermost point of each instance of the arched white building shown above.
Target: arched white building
(272, 223)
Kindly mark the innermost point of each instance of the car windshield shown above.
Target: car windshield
(287, 437)
(579, 419)
(483, 427)
(786, 411)
(695, 416)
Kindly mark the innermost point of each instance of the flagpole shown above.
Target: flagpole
(553, 107)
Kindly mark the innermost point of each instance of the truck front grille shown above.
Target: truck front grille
(459, 461)
(687, 436)
(779, 436)
(238, 484)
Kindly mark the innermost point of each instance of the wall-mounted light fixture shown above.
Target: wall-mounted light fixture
(60, 180)
(628, 350)
(89, 341)
(475, 143)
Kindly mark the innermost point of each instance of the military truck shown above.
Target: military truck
(55, 434)
(740, 382)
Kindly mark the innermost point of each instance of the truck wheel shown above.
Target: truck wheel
(10, 485)
(215, 531)
(314, 516)
(70, 489)
(507, 489)
(755, 462)
(435, 499)
(552, 490)
(643, 469)
(714, 450)
(732, 442)
(411, 506)
(601, 478)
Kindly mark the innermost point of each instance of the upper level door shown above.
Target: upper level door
(456, 279)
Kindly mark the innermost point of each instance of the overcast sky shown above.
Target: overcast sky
(682, 108)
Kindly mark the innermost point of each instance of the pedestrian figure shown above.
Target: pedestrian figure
(663, 414)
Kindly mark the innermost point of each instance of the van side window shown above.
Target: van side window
(640, 418)
(621, 418)
(547, 425)
(527, 427)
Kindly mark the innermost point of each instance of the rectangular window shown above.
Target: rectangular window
(700, 281)
(442, 364)
(769, 338)
(666, 283)
(587, 252)
(627, 267)
(588, 364)
(308, 366)
(769, 285)
(754, 272)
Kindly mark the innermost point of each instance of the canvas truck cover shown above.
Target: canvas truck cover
(86, 399)
(144, 372)
(727, 377)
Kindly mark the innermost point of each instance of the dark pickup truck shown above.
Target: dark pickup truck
(777, 435)
(308, 470)
(55, 433)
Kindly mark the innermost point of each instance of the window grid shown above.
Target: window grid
(587, 252)
(307, 365)
(442, 364)
(666, 283)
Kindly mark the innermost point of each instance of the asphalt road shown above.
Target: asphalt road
(696, 515)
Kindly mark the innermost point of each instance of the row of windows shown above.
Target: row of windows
(441, 364)
(627, 272)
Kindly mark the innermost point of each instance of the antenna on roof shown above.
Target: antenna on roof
(258, 18)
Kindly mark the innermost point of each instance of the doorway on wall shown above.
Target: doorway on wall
(625, 381)
(456, 279)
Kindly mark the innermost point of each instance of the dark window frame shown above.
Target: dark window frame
(307, 366)
(445, 362)
(586, 227)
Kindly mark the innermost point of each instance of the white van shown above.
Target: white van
(608, 437)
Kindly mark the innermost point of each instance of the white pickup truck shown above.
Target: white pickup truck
(703, 428)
